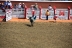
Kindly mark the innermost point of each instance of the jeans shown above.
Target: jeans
(46, 17)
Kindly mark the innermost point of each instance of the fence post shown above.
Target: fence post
(54, 13)
(40, 12)
(68, 12)
(25, 11)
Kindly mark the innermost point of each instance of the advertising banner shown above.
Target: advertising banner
(61, 14)
(8, 14)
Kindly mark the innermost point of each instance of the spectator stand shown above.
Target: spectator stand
(60, 14)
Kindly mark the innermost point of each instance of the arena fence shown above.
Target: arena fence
(55, 14)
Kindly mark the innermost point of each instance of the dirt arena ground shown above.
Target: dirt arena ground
(17, 33)
(40, 20)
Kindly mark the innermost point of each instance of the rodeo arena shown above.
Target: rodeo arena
(20, 10)
(35, 24)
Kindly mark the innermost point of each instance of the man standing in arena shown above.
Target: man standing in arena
(47, 14)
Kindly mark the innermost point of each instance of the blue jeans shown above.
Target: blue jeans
(47, 17)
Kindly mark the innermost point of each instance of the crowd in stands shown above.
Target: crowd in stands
(19, 5)
(8, 5)
(5, 5)
(22, 6)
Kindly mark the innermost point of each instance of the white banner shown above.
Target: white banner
(8, 14)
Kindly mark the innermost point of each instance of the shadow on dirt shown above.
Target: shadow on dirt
(28, 25)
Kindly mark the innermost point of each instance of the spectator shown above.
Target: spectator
(6, 4)
(50, 7)
(15, 6)
(32, 6)
(36, 6)
(9, 4)
(47, 14)
(23, 5)
(2, 7)
(19, 5)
